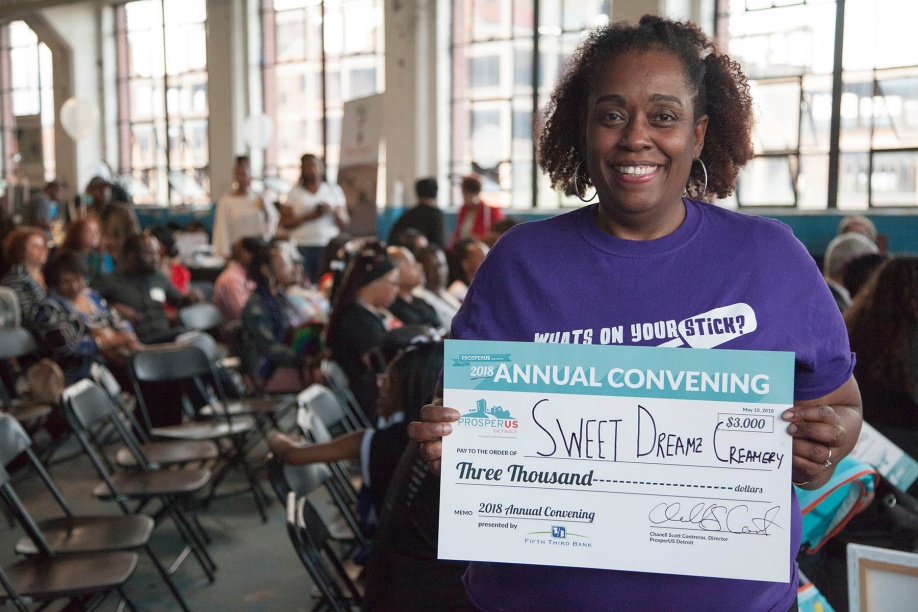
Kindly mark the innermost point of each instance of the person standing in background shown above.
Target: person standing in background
(475, 218)
(426, 216)
(315, 212)
(241, 213)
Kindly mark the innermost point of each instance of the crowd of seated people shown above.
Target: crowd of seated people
(296, 291)
(104, 294)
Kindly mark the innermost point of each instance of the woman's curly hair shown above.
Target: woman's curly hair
(881, 320)
(721, 92)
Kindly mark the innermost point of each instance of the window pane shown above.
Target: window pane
(166, 113)
(362, 27)
(856, 111)
(490, 19)
(852, 181)
(289, 35)
(816, 113)
(813, 182)
(145, 50)
(143, 15)
(146, 99)
(484, 71)
(895, 112)
(880, 34)
(766, 181)
(777, 127)
(783, 41)
(894, 181)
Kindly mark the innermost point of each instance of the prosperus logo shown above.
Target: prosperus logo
(495, 417)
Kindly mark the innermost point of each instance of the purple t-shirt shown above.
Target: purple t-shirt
(565, 280)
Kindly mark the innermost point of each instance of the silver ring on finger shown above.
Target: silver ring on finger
(828, 462)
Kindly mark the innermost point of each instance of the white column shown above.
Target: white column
(226, 89)
(75, 31)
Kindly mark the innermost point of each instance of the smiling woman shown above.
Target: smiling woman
(656, 118)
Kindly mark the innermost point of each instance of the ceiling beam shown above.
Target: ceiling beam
(16, 9)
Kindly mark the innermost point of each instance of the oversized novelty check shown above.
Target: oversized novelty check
(661, 460)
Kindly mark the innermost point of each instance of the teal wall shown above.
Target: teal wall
(813, 230)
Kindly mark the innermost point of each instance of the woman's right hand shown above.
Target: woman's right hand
(429, 431)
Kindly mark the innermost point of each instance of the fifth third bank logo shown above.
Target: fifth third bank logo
(557, 531)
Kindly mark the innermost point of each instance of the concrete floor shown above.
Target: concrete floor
(258, 569)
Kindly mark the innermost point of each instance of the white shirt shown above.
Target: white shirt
(238, 216)
(317, 232)
(445, 309)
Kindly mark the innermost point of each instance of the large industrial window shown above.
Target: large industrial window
(787, 49)
(500, 48)
(162, 100)
(26, 107)
(317, 55)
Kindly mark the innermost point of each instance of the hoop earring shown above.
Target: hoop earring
(577, 185)
(704, 169)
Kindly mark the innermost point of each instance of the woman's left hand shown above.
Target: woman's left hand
(818, 439)
(824, 430)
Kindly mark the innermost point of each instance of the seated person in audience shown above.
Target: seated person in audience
(172, 267)
(74, 324)
(44, 207)
(169, 264)
(233, 287)
(411, 239)
(410, 309)
(433, 291)
(84, 236)
(267, 351)
(498, 230)
(360, 318)
(403, 571)
(841, 250)
(25, 251)
(882, 326)
(860, 269)
(467, 255)
(408, 383)
(117, 218)
(308, 305)
(138, 291)
(858, 224)
(242, 213)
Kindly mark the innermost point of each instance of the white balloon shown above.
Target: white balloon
(79, 118)
(258, 130)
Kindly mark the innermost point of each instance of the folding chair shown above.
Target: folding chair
(202, 316)
(325, 404)
(339, 484)
(89, 407)
(86, 580)
(159, 453)
(337, 381)
(267, 411)
(310, 539)
(312, 427)
(70, 534)
(17, 342)
(304, 480)
(175, 364)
